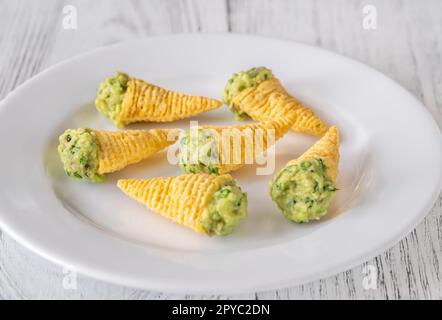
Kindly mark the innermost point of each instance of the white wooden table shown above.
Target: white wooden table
(406, 46)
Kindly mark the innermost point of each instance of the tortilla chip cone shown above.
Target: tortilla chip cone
(270, 101)
(254, 139)
(304, 188)
(327, 149)
(125, 99)
(118, 149)
(182, 199)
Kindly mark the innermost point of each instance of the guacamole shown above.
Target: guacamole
(241, 81)
(110, 96)
(198, 152)
(225, 211)
(303, 192)
(78, 150)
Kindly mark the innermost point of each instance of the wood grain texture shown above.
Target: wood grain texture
(405, 46)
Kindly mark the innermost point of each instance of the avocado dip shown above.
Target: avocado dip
(198, 152)
(78, 150)
(227, 208)
(241, 81)
(303, 192)
(110, 97)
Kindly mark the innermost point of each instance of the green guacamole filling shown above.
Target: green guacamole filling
(241, 81)
(78, 150)
(110, 96)
(303, 192)
(225, 211)
(198, 152)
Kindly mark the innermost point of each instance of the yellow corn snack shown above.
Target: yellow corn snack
(327, 149)
(118, 149)
(187, 199)
(222, 149)
(305, 187)
(269, 100)
(251, 138)
(90, 154)
(125, 100)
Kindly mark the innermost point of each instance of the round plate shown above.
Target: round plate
(390, 169)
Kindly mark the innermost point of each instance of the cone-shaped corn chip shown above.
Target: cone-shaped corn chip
(264, 98)
(124, 100)
(89, 154)
(208, 204)
(219, 150)
(327, 149)
(304, 188)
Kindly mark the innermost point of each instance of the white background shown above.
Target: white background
(406, 46)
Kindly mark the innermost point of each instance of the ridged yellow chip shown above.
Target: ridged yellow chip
(270, 101)
(244, 141)
(182, 199)
(147, 102)
(118, 149)
(327, 149)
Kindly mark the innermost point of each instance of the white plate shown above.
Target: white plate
(390, 169)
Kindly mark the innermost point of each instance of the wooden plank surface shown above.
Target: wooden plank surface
(406, 46)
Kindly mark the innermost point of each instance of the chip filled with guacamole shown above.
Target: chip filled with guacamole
(222, 149)
(89, 154)
(124, 99)
(304, 188)
(241, 81)
(257, 93)
(208, 204)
